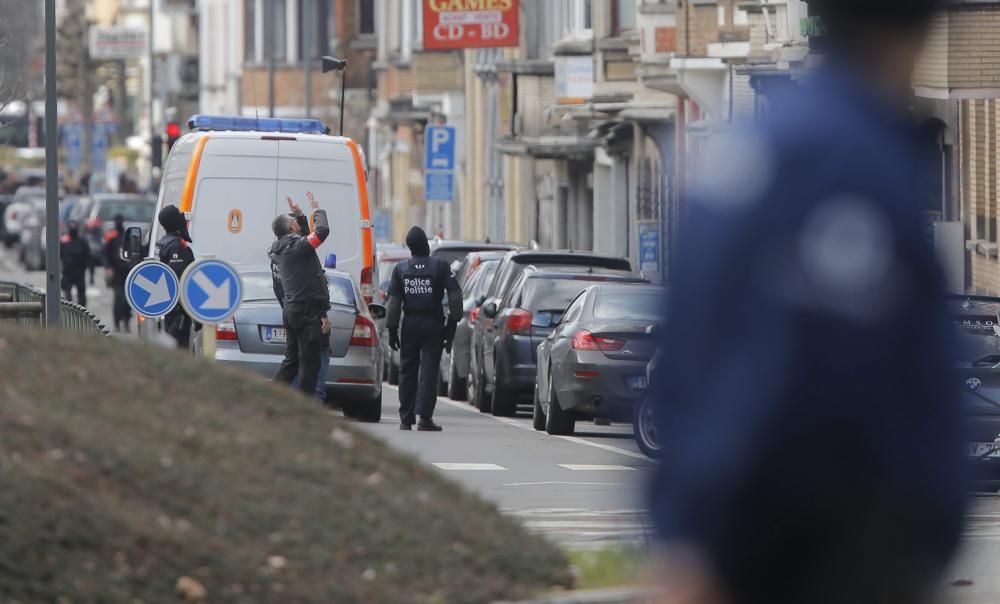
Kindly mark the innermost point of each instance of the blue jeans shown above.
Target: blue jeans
(324, 368)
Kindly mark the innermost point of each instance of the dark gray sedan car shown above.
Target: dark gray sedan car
(456, 363)
(255, 340)
(593, 363)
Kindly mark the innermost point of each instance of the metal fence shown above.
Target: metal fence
(25, 304)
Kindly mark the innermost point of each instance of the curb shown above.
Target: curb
(602, 596)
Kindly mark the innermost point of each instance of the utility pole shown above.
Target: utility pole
(307, 30)
(152, 87)
(52, 268)
(269, 21)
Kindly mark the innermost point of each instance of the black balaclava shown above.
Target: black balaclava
(73, 229)
(120, 223)
(416, 240)
(173, 221)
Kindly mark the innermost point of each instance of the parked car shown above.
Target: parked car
(978, 323)
(96, 215)
(26, 201)
(511, 266)
(255, 340)
(5, 200)
(644, 427)
(386, 261)
(452, 251)
(33, 233)
(592, 363)
(456, 363)
(522, 320)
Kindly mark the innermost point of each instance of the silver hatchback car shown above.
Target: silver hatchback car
(255, 340)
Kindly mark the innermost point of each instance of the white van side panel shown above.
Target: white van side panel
(327, 169)
(236, 175)
(172, 182)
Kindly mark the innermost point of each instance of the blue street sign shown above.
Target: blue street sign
(211, 290)
(73, 141)
(439, 186)
(440, 148)
(649, 247)
(98, 150)
(152, 289)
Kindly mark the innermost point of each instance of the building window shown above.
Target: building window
(250, 31)
(577, 19)
(319, 24)
(722, 16)
(740, 17)
(279, 29)
(622, 16)
(366, 17)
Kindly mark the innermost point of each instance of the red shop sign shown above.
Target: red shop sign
(450, 24)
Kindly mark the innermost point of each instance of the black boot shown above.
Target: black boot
(405, 426)
(426, 424)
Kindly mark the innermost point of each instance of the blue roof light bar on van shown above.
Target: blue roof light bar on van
(252, 124)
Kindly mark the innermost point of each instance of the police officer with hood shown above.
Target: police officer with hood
(75, 254)
(173, 250)
(306, 292)
(416, 292)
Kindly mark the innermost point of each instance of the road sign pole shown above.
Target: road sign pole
(52, 289)
(208, 340)
(152, 88)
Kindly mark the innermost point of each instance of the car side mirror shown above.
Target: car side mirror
(132, 246)
(377, 311)
(490, 310)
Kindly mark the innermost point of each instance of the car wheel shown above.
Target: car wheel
(537, 415)
(479, 398)
(457, 389)
(370, 411)
(646, 434)
(393, 374)
(504, 404)
(558, 422)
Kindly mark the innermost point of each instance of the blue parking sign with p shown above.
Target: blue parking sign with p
(440, 148)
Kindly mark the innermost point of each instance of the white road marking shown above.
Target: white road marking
(582, 467)
(517, 424)
(560, 482)
(470, 466)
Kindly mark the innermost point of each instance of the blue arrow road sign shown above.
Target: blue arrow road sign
(211, 290)
(152, 289)
(440, 151)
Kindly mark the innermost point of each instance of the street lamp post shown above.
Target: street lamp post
(335, 64)
(52, 268)
(307, 24)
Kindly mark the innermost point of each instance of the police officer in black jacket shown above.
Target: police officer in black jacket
(307, 295)
(417, 292)
(173, 250)
(75, 254)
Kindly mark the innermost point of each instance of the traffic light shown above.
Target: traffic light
(157, 151)
(173, 133)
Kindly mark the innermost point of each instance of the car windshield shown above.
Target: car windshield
(639, 306)
(552, 294)
(132, 211)
(258, 287)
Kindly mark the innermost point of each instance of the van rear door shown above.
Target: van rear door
(326, 167)
(236, 199)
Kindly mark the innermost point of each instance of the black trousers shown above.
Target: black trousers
(421, 341)
(77, 279)
(122, 311)
(304, 347)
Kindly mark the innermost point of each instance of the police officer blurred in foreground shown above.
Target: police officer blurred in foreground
(306, 291)
(75, 256)
(416, 292)
(173, 250)
(116, 271)
(812, 447)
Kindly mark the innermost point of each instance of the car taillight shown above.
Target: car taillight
(474, 315)
(226, 332)
(584, 340)
(367, 291)
(364, 332)
(519, 322)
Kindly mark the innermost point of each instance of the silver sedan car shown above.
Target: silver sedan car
(254, 340)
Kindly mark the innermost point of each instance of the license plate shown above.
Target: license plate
(637, 383)
(275, 335)
(981, 449)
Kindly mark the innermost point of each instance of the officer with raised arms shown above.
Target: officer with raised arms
(416, 292)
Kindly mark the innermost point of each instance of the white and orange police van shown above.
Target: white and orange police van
(230, 177)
